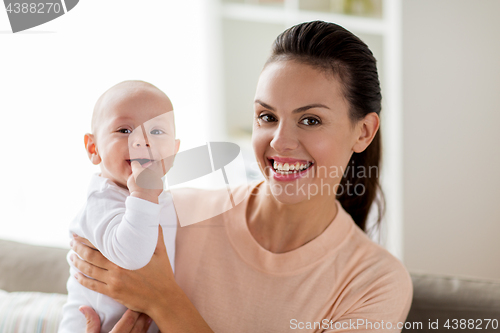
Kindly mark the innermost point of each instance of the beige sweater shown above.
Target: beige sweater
(339, 282)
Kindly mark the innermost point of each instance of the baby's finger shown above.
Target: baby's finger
(136, 168)
(150, 178)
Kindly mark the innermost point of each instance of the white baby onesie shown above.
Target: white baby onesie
(125, 230)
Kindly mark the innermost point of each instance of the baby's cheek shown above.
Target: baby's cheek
(167, 149)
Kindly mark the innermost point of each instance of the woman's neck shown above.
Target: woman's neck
(279, 227)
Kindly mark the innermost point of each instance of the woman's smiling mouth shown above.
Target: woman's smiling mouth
(288, 168)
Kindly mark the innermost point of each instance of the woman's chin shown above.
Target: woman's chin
(289, 193)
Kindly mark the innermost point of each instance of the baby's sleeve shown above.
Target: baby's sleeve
(124, 231)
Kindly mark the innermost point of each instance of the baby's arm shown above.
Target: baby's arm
(126, 232)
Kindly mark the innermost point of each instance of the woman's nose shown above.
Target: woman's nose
(284, 139)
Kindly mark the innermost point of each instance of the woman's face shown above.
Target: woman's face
(302, 135)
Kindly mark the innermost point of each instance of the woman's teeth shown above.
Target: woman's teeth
(287, 168)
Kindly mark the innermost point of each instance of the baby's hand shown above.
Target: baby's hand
(145, 183)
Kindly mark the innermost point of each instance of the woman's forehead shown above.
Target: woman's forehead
(296, 84)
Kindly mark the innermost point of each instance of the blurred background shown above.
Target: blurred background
(440, 73)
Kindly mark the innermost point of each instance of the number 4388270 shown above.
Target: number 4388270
(33, 8)
(477, 324)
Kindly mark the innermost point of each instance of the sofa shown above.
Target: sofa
(33, 286)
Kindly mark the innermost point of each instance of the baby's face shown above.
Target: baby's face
(137, 126)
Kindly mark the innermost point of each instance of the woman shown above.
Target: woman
(293, 254)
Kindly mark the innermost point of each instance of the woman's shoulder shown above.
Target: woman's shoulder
(195, 205)
(376, 271)
(356, 251)
(375, 257)
(371, 278)
(204, 197)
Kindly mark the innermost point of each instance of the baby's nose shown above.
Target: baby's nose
(139, 141)
(138, 144)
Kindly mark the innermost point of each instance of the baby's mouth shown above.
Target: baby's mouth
(142, 161)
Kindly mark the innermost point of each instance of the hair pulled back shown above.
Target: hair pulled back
(333, 49)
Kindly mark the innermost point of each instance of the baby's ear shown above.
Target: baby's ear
(91, 149)
(177, 144)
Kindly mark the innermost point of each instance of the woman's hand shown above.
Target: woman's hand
(131, 322)
(138, 290)
(151, 290)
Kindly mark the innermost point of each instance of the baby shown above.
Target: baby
(133, 142)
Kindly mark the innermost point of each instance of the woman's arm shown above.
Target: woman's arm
(151, 290)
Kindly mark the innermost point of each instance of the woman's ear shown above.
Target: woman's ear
(366, 129)
(91, 148)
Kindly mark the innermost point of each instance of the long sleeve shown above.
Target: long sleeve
(124, 231)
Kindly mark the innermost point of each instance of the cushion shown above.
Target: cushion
(24, 312)
(25, 267)
(465, 303)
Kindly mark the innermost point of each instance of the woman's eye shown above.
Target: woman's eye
(124, 130)
(156, 132)
(310, 121)
(267, 118)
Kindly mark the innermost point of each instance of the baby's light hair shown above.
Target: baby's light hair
(133, 85)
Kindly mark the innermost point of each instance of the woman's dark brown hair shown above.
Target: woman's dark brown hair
(335, 50)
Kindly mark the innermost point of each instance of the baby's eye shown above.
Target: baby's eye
(267, 118)
(310, 121)
(124, 130)
(156, 132)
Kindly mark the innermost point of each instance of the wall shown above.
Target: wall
(451, 61)
(51, 78)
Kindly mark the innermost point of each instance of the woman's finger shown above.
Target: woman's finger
(142, 324)
(160, 245)
(92, 284)
(132, 322)
(88, 269)
(85, 241)
(92, 318)
(89, 254)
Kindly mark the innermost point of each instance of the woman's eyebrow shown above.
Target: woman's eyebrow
(310, 106)
(298, 110)
(265, 105)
